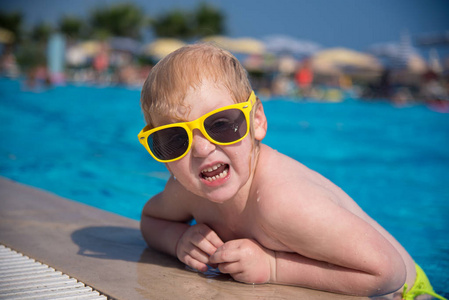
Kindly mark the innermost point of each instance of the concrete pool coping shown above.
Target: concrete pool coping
(107, 252)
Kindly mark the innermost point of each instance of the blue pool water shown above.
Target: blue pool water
(80, 142)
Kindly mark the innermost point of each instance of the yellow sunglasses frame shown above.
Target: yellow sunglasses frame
(245, 107)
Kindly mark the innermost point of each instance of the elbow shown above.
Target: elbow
(389, 277)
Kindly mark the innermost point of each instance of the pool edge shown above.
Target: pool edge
(107, 252)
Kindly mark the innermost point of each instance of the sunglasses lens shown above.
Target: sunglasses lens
(169, 143)
(226, 126)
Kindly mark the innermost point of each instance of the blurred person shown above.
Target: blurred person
(433, 92)
(304, 78)
(37, 79)
(8, 64)
(261, 216)
(100, 64)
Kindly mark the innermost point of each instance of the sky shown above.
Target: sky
(355, 24)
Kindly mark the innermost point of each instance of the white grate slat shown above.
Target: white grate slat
(24, 278)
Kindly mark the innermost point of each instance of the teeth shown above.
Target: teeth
(211, 168)
(221, 175)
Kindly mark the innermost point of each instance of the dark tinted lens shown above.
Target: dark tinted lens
(169, 143)
(226, 126)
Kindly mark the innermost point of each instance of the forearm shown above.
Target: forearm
(294, 269)
(161, 234)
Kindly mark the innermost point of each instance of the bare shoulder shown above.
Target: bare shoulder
(173, 203)
(287, 186)
(279, 174)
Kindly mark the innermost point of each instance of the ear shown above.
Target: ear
(260, 122)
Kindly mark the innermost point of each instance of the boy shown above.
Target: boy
(261, 216)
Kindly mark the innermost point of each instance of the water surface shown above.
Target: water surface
(80, 142)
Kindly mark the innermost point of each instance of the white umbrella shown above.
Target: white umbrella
(335, 60)
(286, 45)
(76, 56)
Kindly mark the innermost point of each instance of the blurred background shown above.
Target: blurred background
(358, 90)
(316, 50)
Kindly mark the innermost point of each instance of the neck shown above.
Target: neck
(236, 206)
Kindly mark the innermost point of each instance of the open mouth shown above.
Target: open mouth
(215, 172)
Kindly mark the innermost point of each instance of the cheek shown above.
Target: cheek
(179, 169)
(241, 155)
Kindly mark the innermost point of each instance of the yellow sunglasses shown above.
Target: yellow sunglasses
(224, 126)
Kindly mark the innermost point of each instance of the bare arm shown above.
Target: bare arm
(164, 227)
(331, 249)
(161, 234)
(335, 250)
(295, 269)
(164, 219)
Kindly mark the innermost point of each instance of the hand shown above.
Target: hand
(245, 260)
(195, 246)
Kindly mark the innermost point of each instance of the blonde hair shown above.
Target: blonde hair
(171, 78)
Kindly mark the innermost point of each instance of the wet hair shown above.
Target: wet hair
(172, 77)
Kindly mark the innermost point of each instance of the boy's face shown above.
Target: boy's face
(208, 170)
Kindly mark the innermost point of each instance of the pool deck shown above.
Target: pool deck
(107, 252)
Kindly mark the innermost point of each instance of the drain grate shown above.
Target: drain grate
(24, 278)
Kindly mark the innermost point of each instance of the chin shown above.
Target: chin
(217, 199)
(220, 196)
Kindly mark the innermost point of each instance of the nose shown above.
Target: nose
(201, 146)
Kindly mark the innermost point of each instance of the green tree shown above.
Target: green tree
(118, 20)
(13, 23)
(30, 55)
(176, 24)
(205, 20)
(41, 32)
(208, 21)
(71, 26)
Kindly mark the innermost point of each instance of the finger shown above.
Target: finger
(196, 253)
(224, 255)
(230, 268)
(193, 263)
(204, 245)
(214, 239)
(209, 241)
(210, 236)
(187, 248)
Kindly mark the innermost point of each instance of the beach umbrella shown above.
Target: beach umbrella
(162, 47)
(247, 45)
(416, 64)
(76, 56)
(91, 48)
(337, 60)
(286, 45)
(244, 45)
(6, 36)
(219, 40)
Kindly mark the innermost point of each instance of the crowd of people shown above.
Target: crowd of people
(287, 77)
(399, 86)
